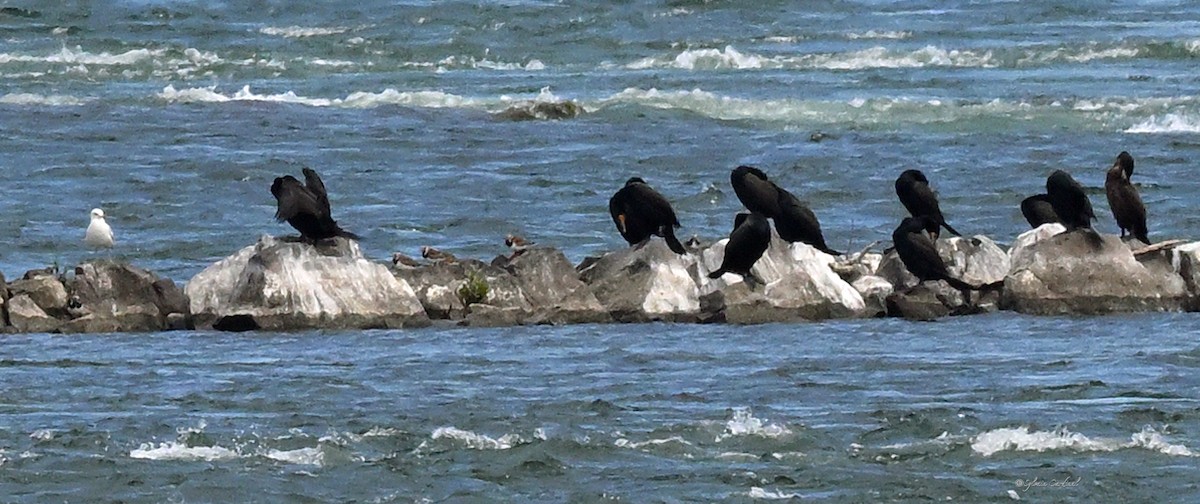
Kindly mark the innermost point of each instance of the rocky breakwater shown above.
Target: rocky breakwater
(95, 297)
(283, 284)
(536, 286)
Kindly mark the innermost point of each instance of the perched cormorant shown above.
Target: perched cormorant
(749, 240)
(306, 207)
(639, 212)
(919, 253)
(1124, 200)
(1070, 203)
(797, 223)
(794, 221)
(755, 191)
(913, 189)
(1038, 210)
(98, 234)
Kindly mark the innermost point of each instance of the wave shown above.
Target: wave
(1168, 123)
(476, 441)
(762, 493)
(37, 99)
(179, 451)
(731, 58)
(1022, 439)
(744, 423)
(301, 32)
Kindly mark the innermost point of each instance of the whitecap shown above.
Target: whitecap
(313, 456)
(301, 31)
(625, 443)
(178, 451)
(872, 34)
(744, 423)
(1022, 439)
(477, 441)
(762, 493)
(37, 99)
(1169, 123)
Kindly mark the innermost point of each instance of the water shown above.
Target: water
(175, 116)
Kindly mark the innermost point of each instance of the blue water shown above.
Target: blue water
(175, 116)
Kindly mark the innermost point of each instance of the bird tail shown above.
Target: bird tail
(961, 285)
(673, 242)
(717, 273)
(1143, 234)
(827, 250)
(346, 234)
(950, 229)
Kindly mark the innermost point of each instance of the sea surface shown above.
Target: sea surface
(175, 116)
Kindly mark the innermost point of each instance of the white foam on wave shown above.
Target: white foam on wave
(1022, 439)
(636, 445)
(883, 34)
(744, 423)
(1168, 123)
(874, 57)
(301, 31)
(313, 456)
(762, 493)
(37, 99)
(178, 451)
(428, 99)
(78, 56)
(476, 441)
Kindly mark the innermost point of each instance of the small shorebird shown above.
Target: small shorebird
(436, 255)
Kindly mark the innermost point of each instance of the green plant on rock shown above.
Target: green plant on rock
(473, 290)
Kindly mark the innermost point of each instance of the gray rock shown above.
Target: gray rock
(1186, 261)
(553, 288)
(1067, 273)
(27, 317)
(976, 260)
(646, 283)
(47, 291)
(437, 285)
(283, 284)
(117, 296)
(874, 291)
(800, 285)
(486, 315)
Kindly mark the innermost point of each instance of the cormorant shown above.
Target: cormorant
(1038, 210)
(913, 189)
(1070, 203)
(920, 255)
(1124, 200)
(639, 212)
(749, 240)
(794, 221)
(797, 223)
(306, 207)
(755, 191)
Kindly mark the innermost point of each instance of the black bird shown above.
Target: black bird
(794, 221)
(749, 240)
(797, 223)
(1124, 200)
(913, 189)
(920, 255)
(1038, 210)
(306, 207)
(1070, 203)
(755, 191)
(640, 212)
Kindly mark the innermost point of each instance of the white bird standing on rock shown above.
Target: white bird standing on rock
(99, 235)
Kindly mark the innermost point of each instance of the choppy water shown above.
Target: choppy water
(174, 117)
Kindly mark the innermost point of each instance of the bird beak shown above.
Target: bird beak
(621, 222)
